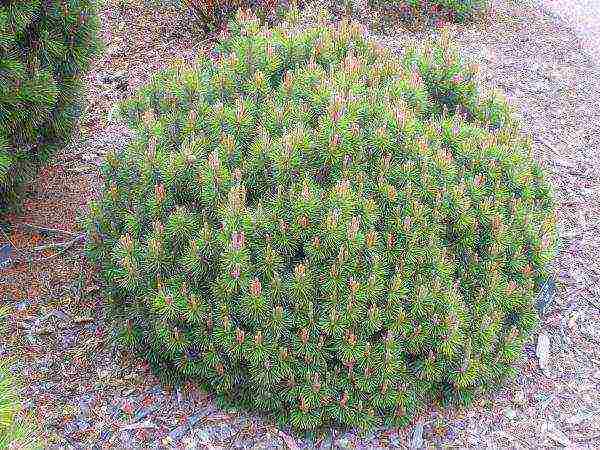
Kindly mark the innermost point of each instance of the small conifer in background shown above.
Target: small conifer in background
(213, 15)
(316, 228)
(437, 10)
(45, 46)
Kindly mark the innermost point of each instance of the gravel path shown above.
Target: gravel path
(83, 394)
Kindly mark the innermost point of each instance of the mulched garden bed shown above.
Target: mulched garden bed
(82, 393)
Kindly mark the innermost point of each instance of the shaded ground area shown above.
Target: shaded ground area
(84, 394)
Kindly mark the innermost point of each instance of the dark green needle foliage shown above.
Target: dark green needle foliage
(317, 229)
(45, 46)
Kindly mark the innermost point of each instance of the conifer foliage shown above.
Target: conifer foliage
(314, 227)
(214, 14)
(44, 48)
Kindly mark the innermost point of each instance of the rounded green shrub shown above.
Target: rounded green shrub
(314, 227)
(45, 46)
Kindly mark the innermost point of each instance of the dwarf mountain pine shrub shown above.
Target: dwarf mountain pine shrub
(314, 227)
(45, 46)
(445, 10)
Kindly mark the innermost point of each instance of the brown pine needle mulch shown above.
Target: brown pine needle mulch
(83, 394)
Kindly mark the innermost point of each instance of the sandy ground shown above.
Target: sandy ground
(583, 16)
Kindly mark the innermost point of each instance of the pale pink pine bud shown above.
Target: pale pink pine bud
(238, 239)
(305, 191)
(496, 223)
(423, 146)
(151, 148)
(148, 117)
(392, 193)
(335, 141)
(400, 115)
(303, 333)
(391, 240)
(316, 242)
(240, 336)
(255, 287)
(237, 175)
(159, 228)
(354, 285)
(351, 338)
(303, 405)
(387, 160)
(228, 144)
(159, 192)
(371, 238)
(351, 63)
(511, 287)
(546, 238)
(415, 79)
(213, 160)
(344, 400)
(478, 180)
(353, 228)
(333, 316)
(303, 221)
(300, 270)
(527, 270)
(343, 254)
(334, 271)
(316, 384)
(240, 111)
(344, 187)
(384, 387)
(236, 272)
(347, 160)
(127, 242)
(288, 81)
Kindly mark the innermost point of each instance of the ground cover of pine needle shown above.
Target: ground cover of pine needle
(82, 393)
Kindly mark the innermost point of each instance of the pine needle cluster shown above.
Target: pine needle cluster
(314, 227)
(45, 46)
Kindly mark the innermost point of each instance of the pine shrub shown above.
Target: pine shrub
(314, 227)
(44, 48)
(214, 14)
